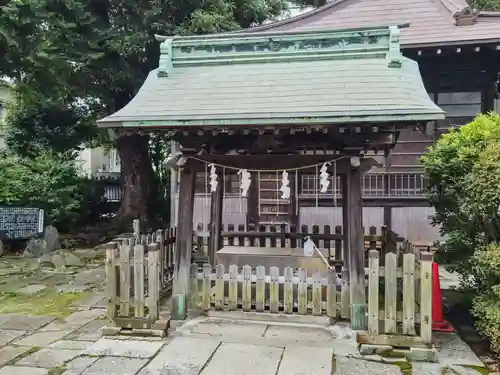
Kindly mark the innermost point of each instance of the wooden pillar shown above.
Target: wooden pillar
(253, 201)
(216, 208)
(353, 217)
(387, 188)
(184, 243)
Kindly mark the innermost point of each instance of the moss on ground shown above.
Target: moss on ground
(59, 370)
(48, 302)
(481, 370)
(25, 354)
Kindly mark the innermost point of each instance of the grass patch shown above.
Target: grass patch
(27, 353)
(59, 370)
(47, 302)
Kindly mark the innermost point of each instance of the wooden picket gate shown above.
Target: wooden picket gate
(399, 300)
(245, 289)
(139, 273)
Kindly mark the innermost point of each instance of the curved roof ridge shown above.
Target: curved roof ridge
(298, 17)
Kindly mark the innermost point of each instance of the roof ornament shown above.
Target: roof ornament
(465, 17)
(394, 55)
(165, 65)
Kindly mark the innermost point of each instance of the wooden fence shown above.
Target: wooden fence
(398, 298)
(139, 273)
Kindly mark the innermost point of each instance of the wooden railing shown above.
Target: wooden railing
(139, 272)
(288, 291)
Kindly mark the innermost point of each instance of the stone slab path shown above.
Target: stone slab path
(204, 346)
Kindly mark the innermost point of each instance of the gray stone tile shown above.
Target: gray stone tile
(453, 351)
(304, 360)
(96, 299)
(460, 370)
(184, 355)
(72, 345)
(116, 366)
(8, 353)
(79, 365)
(299, 335)
(351, 366)
(421, 368)
(49, 357)
(22, 370)
(243, 359)
(31, 289)
(223, 329)
(89, 332)
(7, 336)
(84, 316)
(24, 322)
(120, 348)
(41, 338)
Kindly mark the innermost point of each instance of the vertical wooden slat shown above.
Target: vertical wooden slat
(274, 290)
(219, 287)
(139, 280)
(373, 292)
(206, 287)
(331, 294)
(193, 287)
(246, 289)
(288, 291)
(160, 240)
(154, 283)
(260, 288)
(111, 279)
(124, 280)
(426, 260)
(391, 293)
(233, 287)
(408, 294)
(302, 291)
(344, 295)
(317, 291)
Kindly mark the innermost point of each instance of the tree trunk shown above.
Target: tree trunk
(138, 200)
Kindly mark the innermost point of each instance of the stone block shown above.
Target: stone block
(72, 345)
(304, 360)
(7, 335)
(78, 365)
(8, 353)
(351, 366)
(367, 349)
(116, 366)
(24, 322)
(23, 370)
(31, 289)
(41, 339)
(88, 332)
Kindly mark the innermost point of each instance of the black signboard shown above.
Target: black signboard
(20, 222)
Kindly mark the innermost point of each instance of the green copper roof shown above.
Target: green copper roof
(323, 77)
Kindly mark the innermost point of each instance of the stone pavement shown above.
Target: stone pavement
(204, 346)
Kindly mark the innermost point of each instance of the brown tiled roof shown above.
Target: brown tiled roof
(432, 22)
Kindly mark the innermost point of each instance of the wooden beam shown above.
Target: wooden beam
(216, 219)
(184, 243)
(264, 162)
(356, 253)
(253, 201)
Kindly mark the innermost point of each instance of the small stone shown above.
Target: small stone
(49, 357)
(36, 247)
(7, 335)
(367, 349)
(31, 289)
(24, 322)
(421, 354)
(116, 366)
(119, 348)
(8, 353)
(42, 339)
(72, 288)
(22, 370)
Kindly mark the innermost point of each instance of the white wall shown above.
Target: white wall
(98, 160)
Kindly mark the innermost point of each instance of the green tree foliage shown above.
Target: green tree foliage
(76, 61)
(463, 168)
(48, 181)
(486, 4)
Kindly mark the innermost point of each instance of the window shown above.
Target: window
(460, 104)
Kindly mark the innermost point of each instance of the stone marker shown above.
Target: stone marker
(2, 250)
(51, 237)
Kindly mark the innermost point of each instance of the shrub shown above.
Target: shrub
(486, 306)
(48, 181)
